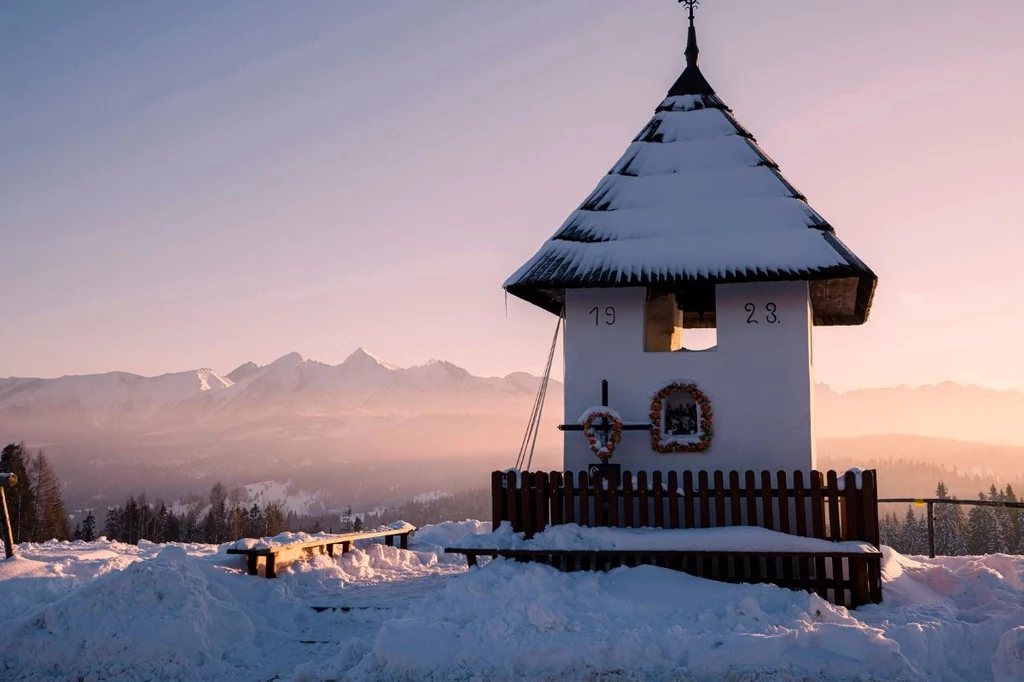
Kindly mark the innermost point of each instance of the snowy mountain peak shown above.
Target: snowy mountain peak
(440, 372)
(361, 357)
(288, 360)
(435, 362)
(210, 380)
(243, 371)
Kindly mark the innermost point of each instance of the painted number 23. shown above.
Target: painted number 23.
(609, 315)
(770, 315)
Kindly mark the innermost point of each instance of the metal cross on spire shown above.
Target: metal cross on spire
(692, 81)
(691, 5)
(692, 51)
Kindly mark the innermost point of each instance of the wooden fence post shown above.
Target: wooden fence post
(511, 493)
(870, 507)
(931, 530)
(526, 510)
(498, 508)
(542, 502)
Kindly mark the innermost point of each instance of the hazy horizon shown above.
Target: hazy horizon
(223, 372)
(190, 185)
(302, 423)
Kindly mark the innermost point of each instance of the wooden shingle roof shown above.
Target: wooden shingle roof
(694, 200)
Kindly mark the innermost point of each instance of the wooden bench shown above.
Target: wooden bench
(845, 578)
(326, 543)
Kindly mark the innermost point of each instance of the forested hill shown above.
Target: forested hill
(910, 466)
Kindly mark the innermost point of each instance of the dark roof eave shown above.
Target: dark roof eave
(550, 300)
(550, 295)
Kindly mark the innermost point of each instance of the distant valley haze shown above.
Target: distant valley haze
(308, 389)
(368, 431)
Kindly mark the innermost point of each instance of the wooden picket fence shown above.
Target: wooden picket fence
(815, 506)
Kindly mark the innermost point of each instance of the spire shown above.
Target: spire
(692, 81)
(692, 51)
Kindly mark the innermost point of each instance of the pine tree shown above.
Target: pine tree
(888, 530)
(238, 515)
(21, 500)
(346, 520)
(1019, 517)
(256, 526)
(1009, 521)
(238, 519)
(51, 518)
(173, 529)
(145, 521)
(191, 522)
(275, 519)
(89, 527)
(950, 527)
(357, 525)
(958, 520)
(113, 525)
(215, 523)
(997, 532)
(161, 520)
(922, 535)
(910, 537)
(130, 521)
(980, 525)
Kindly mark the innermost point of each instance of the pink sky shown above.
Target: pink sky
(249, 180)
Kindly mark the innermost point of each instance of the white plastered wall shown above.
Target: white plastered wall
(759, 379)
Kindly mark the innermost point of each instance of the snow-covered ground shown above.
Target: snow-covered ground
(108, 611)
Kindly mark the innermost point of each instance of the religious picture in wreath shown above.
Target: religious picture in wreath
(680, 415)
(681, 419)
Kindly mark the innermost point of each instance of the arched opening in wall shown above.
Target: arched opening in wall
(681, 320)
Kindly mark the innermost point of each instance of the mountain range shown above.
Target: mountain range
(314, 423)
(348, 428)
(366, 386)
(120, 401)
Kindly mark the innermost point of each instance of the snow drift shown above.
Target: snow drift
(108, 611)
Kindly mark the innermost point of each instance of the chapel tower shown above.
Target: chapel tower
(694, 235)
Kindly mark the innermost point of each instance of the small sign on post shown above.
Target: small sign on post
(7, 480)
(605, 470)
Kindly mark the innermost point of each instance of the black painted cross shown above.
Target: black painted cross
(605, 427)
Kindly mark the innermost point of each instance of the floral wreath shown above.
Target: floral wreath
(610, 417)
(705, 427)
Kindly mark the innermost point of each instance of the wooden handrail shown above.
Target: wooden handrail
(328, 542)
(321, 541)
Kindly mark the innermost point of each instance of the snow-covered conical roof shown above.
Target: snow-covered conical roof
(694, 202)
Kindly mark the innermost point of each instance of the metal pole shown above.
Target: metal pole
(604, 393)
(8, 533)
(931, 529)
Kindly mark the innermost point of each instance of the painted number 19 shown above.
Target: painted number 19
(609, 316)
